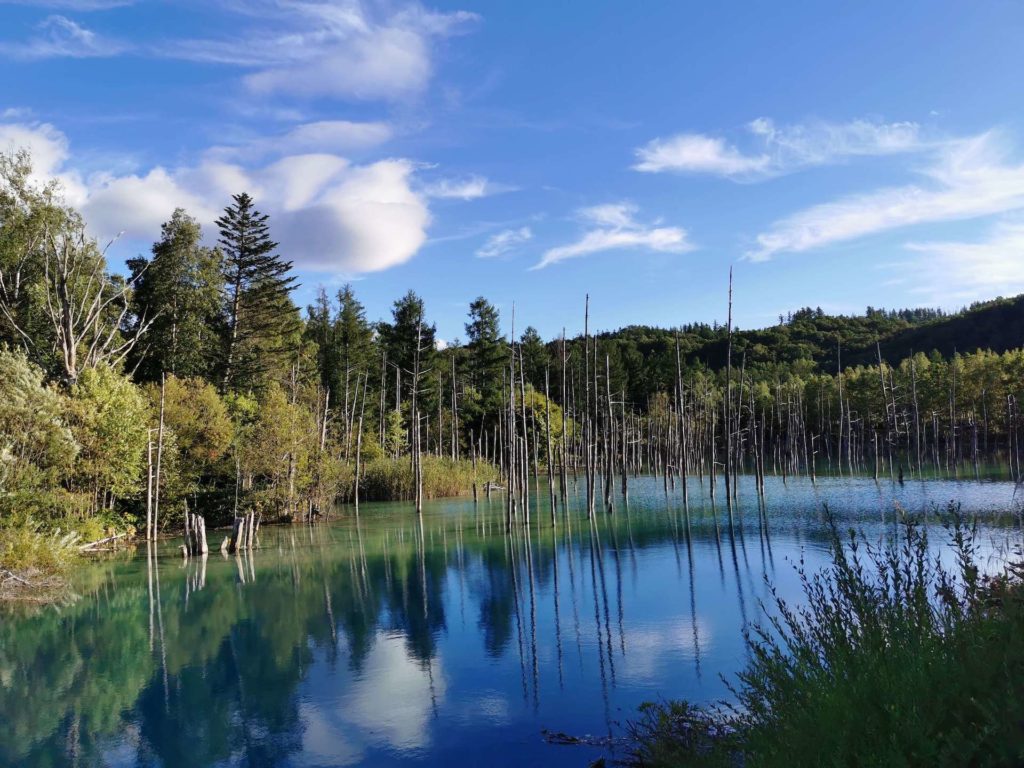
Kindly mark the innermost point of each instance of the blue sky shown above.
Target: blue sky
(834, 155)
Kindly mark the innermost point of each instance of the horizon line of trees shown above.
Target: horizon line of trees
(196, 382)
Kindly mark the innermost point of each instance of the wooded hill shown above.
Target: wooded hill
(815, 341)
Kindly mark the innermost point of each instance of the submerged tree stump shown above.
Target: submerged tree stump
(243, 532)
(195, 535)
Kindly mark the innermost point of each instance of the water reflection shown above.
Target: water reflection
(391, 639)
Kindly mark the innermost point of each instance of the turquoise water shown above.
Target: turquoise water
(385, 641)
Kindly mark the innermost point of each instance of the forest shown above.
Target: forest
(194, 383)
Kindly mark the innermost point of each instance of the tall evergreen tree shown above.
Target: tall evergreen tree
(487, 354)
(179, 288)
(399, 339)
(261, 323)
(344, 339)
(535, 357)
(354, 335)
(320, 330)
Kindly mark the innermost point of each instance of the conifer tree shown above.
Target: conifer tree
(487, 354)
(180, 289)
(261, 323)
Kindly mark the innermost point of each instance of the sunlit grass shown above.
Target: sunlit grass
(895, 659)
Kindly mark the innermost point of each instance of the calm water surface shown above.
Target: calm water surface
(386, 642)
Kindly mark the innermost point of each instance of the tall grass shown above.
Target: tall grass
(392, 480)
(34, 561)
(895, 659)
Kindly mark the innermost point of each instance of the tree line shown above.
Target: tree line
(194, 382)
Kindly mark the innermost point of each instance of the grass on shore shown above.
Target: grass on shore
(896, 659)
(34, 562)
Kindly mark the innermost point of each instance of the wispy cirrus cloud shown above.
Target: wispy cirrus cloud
(362, 51)
(950, 272)
(504, 242)
(300, 48)
(331, 136)
(614, 226)
(60, 37)
(968, 178)
(72, 5)
(469, 188)
(775, 150)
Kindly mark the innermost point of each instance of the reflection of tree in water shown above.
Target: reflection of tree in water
(65, 679)
(414, 601)
(497, 601)
(240, 704)
(77, 683)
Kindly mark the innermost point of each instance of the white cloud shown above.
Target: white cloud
(328, 214)
(470, 188)
(16, 113)
(59, 36)
(325, 49)
(777, 150)
(968, 179)
(503, 242)
(954, 272)
(321, 136)
(614, 227)
(696, 153)
(49, 150)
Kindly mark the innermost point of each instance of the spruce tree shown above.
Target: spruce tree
(344, 339)
(261, 323)
(535, 357)
(487, 355)
(179, 288)
(400, 343)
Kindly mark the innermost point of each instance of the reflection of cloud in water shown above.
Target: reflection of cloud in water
(387, 705)
(489, 708)
(650, 646)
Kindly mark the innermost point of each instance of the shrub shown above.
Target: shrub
(896, 659)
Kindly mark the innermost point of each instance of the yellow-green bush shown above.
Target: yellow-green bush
(391, 479)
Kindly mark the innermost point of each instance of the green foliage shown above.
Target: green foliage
(344, 341)
(275, 456)
(896, 659)
(178, 290)
(197, 435)
(486, 356)
(109, 418)
(36, 447)
(401, 338)
(395, 437)
(261, 323)
(31, 548)
(27, 212)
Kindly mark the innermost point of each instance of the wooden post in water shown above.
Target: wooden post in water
(547, 430)
(159, 458)
(728, 402)
(149, 485)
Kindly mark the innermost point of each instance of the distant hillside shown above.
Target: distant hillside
(810, 339)
(997, 325)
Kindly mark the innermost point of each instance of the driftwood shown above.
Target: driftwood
(92, 544)
(12, 576)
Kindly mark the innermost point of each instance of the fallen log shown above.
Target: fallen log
(91, 544)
